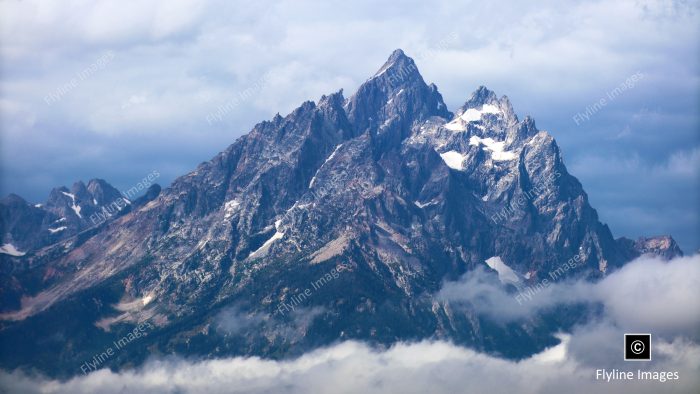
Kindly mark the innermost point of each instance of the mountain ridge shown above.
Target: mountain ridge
(388, 182)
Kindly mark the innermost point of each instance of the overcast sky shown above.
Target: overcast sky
(115, 89)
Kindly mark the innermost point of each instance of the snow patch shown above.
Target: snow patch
(262, 250)
(471, 115)
(453, 159)
(76, 208)
(146, 300)
(303, 206)
(55, 230)
(230, 208)
(296, 205)
(497, 148)
(505, 273)
(423, 205)
(332, 155)
(382, 71)
(396, 95)
(37, 205)
(11, 250)
(455, 125)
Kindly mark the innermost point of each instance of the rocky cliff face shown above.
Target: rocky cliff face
(66, 212)
(338, 221)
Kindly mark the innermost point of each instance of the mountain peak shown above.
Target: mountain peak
(397, 54)
(396, 91)
(333, 99)
(482, 95)
(398, 67)
(12, 198)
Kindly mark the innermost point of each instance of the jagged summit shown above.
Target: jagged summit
(397, 53)
(398, 72)
(393, 99)
(482, 95)
(65, 213)
(396, 62)
(483, 99)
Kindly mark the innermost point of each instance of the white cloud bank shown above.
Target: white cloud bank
(647, 294)
(352, 367)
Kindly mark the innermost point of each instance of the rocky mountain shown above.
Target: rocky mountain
(341, 220)
(664, 246)
(66, 212)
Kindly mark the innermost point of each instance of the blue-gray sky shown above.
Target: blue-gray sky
(152, 74)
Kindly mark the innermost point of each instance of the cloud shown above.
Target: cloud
(480, 290)
(291, 326)
(682, 163)
(654, 295)
(352, 367)
(234, 321)
(642, 195)
(647, 295)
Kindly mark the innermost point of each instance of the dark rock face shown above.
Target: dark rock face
(66, 213)
(34, 236)
(340, 220)
(663, 246)
(24, 225)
